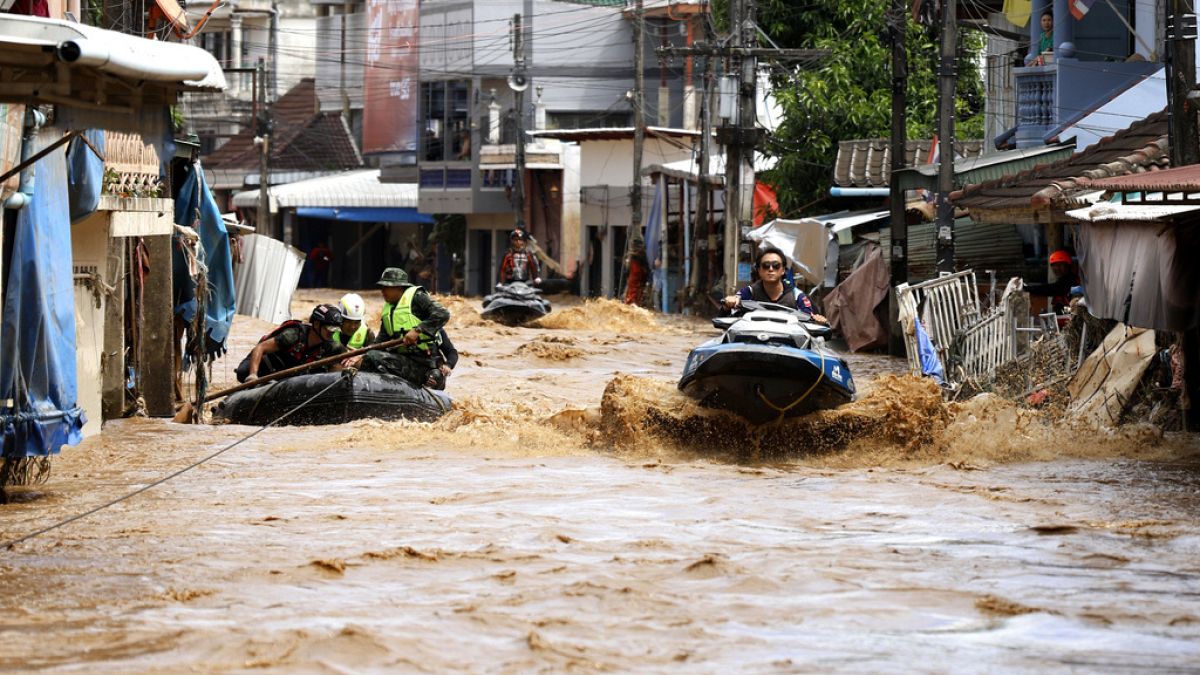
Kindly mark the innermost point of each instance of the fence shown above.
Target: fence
(969, 343)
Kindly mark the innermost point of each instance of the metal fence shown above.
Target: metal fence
(970, 343)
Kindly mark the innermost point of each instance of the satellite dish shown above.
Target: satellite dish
(518, 82)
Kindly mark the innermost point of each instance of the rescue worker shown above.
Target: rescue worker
(446, 359)
(293, 343)
(354, 332)
(773, 287)
(519, 263)
(411, 313)
(1066, 279)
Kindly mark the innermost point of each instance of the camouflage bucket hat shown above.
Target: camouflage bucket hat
(394, 276)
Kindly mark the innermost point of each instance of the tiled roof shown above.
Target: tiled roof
(1181, 179)
(1139, 148)
(303, 139)
(867, 162)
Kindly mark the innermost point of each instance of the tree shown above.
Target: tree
(848, 96)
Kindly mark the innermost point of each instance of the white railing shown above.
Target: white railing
(969, 343)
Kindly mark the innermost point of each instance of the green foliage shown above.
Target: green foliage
(848, 96)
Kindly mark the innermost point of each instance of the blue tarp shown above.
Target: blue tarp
(931, 365)
(363, 214)
(214, 245)
(37, 353)
(85, 175)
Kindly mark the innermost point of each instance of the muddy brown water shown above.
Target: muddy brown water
(575, 513)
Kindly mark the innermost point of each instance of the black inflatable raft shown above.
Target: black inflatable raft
(514, 304)
(359, 396)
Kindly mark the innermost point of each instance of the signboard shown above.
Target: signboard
(390, 91)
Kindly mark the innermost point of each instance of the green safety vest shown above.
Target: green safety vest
(398, 319)
(357, 340)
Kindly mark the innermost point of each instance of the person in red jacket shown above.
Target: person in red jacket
(639, 273)
(519, 263)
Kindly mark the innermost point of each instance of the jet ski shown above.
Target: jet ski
(515, 303)
(362, 395)
(770, 363)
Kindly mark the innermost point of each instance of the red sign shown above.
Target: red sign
(390, 91)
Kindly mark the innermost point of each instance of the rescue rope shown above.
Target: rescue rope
(783, 411)
(160, 481)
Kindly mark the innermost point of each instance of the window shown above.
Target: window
(446, 121)
(588, 120)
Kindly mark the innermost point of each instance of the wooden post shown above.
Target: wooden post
(112, 359)
(158, 354)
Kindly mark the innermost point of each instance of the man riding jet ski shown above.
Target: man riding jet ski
(771, 361)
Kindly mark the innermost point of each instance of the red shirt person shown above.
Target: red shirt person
(519, 263)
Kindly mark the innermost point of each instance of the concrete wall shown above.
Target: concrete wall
(89, 248)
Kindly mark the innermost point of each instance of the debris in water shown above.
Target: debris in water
(990, 604)
(334, 565)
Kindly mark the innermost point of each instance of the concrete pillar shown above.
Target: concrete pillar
(1064, 28)
(158, 353)
(235, 49)
(664, 106)
(539, 112)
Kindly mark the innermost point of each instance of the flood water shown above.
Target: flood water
(574, 512)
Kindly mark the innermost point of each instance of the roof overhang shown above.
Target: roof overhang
(352, 189)
(59, 62)
(984, 167)
(611, 134)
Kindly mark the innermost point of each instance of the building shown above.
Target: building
(573, 71)
(103, 222)
(1103, 70)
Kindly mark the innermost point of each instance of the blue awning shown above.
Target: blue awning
(366, 214)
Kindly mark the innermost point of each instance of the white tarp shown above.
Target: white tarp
(806, 243)
(267, 278)
(1108, 378)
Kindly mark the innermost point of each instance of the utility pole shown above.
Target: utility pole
(519, 84)
(742, 135)
(947, 77)
(639, 120)
(704, 241)
(264, 147)
(897, 30)
(1181, 81)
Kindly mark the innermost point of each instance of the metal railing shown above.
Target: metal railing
(969, 343)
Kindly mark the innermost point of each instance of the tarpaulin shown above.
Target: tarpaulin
(85, 174)
(851, 307)
(367, 214)
(214, 250)
(37, 355)
(1143, 275)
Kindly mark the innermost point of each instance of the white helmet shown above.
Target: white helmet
(353, 307)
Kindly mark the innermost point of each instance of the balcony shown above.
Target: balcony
(1053, 97)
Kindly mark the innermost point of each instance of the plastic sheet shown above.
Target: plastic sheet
(214, 244)
(37, 354)
(85, 174)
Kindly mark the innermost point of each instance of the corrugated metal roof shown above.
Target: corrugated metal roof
(867, 162)
(985, 167)
(979, 246)
(350, 189)
(1181, 179)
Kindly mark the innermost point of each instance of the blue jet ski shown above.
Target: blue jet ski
(514, 304)
(770, 363)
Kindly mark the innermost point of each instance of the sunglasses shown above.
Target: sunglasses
(770, 266)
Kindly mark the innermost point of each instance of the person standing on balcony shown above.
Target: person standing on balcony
(1045, 40)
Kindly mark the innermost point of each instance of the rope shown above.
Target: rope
(783, 411)
(118, 500)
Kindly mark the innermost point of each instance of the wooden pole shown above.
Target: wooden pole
(288, 372)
